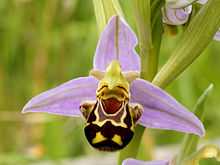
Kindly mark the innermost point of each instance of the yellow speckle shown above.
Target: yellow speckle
(98, 138)
(117, 139)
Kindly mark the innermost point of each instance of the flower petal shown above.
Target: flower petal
(176, 16)
(117, 42)
(217, 35)
(162, 111)
(139, 162)
(64, 99)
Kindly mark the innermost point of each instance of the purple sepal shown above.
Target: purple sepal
(120, 48)
(162, 111)
(64, 99)
(131, 161)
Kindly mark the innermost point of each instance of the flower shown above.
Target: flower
(178, 13)
(176, 16)
(131, 161)
(113, 99)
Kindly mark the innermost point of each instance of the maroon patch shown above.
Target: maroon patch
(111, 105)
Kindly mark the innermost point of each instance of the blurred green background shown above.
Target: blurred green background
(46, 42)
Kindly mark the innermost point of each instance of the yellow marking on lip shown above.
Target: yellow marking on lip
(98, 138)
(117, 139)
(101, 123)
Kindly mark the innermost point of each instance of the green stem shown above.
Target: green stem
(142, 12)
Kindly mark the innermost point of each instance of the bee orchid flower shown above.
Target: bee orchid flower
(177, 12)
(176, 16)
(113, 98)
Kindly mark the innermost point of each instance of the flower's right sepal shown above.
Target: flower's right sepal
(162, 111)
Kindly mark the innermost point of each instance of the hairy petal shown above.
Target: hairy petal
(139, 162)
(162, 111)
(176, 16)
(117, 42)
(64, 99)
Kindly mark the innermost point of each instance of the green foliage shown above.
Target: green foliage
(194, 40)
(210, 161)
(190, 142)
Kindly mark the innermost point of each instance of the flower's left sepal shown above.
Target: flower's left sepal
(65, 99)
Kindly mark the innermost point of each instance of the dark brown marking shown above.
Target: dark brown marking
(111, 105)
(128, 119)
(104, 86)
(86, 108)
(108, 130)
(116, 117)
(92, 116)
